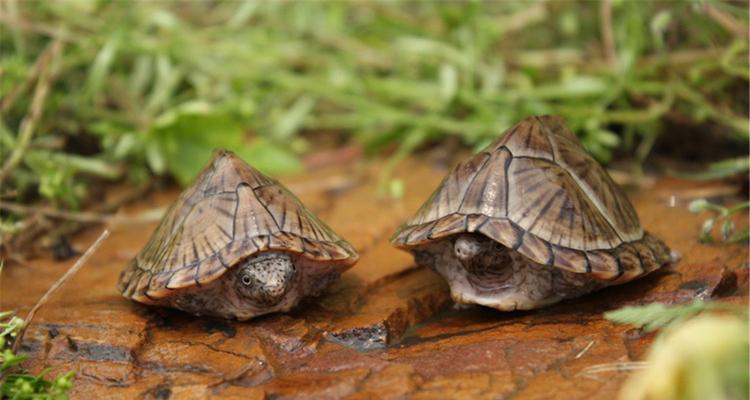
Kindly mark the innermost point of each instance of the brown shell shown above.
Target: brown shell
(537, 191)
(231, 211)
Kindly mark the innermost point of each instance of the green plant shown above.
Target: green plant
(105, 91)
(656, 316)
(723, 215)
(21, 386)
(700, 353)
(720, 169)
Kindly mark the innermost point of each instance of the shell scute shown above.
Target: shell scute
(545, 201)
(502, 230)
(475, 221)
(285, 241)
(597, 185)
(536, 249)
(570, 260)
(453, 223)
(418, 234)
(487, 194)
(452, 191)
(526, 140)
(316, 251)
(603, 264)
(630, 262)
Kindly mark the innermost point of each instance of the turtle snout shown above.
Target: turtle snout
(266, 279)
(467, 247)
(276, 284)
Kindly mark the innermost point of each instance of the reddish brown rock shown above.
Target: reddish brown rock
(386, 330)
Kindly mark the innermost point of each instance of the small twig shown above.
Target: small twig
(727, 21)
(81, 261)
(615, 366)
(332, 183)
(585, 349)
(40, 230)
(677, 58)
(527, 16)
(41, 61)
(27, 26)
(84, 216)
(28, 125)
(740, 124)
(608, 38)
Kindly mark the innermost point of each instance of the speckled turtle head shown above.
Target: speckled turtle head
(236, 244)
(528, 221)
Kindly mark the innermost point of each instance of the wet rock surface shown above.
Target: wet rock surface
(387, 329)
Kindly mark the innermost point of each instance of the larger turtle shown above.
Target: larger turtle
(236, 244)
(528, 221)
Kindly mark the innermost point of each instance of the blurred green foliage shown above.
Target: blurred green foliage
(723, 215)
(113, 90)
(701, 351)
(655, 316)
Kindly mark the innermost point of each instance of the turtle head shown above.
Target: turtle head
(468, 247)
(266, 278)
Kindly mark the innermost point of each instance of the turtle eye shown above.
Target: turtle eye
(247, 279)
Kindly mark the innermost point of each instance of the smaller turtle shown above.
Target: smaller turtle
(529, 221)
(236, 244)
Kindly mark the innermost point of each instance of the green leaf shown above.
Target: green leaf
(186, 137)
(20, 385)
(155, 157)
(740, 236)
(656, 315)
(698, 205)
(718, 170)
(448, 82)
(291, 121)
(269, 157)
(396, 189)
(706, 228)
(9, 360)
(726, 229)
(101, 66)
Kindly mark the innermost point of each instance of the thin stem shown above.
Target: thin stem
(72, 271)
(28, 126)
(608, 38)
(83, 216)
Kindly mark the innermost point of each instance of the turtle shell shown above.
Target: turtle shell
(231, 212)
(536, 190)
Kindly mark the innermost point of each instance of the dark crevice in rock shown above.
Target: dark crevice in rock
(727, 286)
(162, 391)
(157, 367)
(211, 347)
(214, 325)
(361, 338)
(110, 382)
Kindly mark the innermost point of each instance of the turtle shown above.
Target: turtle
(236, 244)
(530, 220)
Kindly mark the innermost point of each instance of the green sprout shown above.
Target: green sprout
(657, 316)
(723, 216)
(19, 385)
